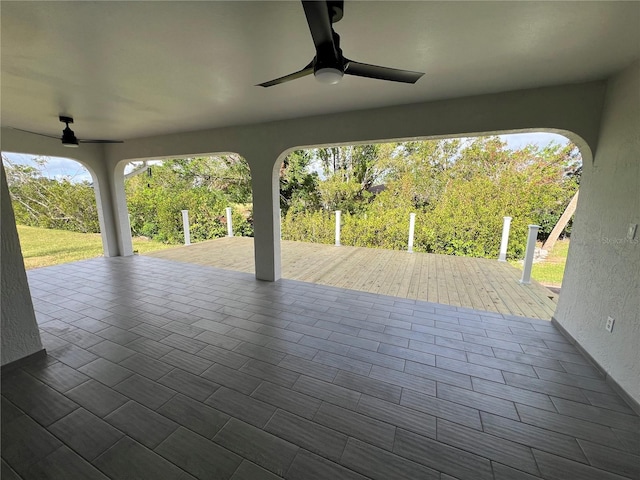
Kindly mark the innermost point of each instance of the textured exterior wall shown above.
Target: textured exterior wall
(20, 336)
(603, 268)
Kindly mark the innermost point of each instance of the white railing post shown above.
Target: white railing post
(505, 239)
(338, 213)
(185, 225)
(412, 228)
(280, 222)
(229, 223)
(528, 256)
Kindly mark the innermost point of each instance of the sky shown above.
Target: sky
(63, 167)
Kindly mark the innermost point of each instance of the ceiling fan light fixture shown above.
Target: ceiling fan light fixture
(328, 75)
(69, 138)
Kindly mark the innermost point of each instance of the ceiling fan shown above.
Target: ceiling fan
(68, 137)
(329, 65)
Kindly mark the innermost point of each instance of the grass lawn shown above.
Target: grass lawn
(42, 247)
(551, 270)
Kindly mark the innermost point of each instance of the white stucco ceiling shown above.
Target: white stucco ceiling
(134, 69)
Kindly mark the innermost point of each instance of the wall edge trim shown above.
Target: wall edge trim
(23, 361)
(632, 402)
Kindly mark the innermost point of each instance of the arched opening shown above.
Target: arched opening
(55, 208)
(189, 201)
(458, 191)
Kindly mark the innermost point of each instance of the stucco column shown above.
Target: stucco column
(20, 335)
(112, 210)
(266, 216)
(123, 227)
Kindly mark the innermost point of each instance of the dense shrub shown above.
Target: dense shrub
(155, 203)
(459, 192)
(314, 226)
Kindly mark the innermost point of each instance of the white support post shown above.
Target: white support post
(280, 222)
(229, 223)
(412, 228)
(185, 225)
(338, 213)
(528, 256)
(505, 239)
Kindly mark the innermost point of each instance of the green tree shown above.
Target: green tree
(298, 185)
(39, 201)
(349, 173)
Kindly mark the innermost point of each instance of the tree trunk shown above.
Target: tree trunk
(562, 223)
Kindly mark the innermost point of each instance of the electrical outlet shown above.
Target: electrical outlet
(609, 324)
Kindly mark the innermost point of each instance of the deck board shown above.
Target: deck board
(403, 278)
(476, 283)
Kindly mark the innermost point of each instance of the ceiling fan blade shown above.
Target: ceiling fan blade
(68, 137)
(381, 73)
(319, 20)
(57, 137)
(308, 70)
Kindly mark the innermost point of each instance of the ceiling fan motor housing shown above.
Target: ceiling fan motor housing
(328, 56)
(68, 136)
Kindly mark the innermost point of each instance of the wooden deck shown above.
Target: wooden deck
(476, 283)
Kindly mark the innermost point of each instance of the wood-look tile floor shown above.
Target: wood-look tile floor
(159, 369)
(478, 283)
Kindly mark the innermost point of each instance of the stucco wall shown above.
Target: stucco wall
(19, 330)
(603, 268)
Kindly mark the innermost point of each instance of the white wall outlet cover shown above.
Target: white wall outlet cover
(609, 324)
(631, 232)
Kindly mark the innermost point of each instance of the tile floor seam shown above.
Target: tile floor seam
(153, 450)
(78, 453)
(66, 445)
(275, 410)
(585, 453)
(167, 401)
(195, 433)
(103, 453)
(239, 466)
(490, 460)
